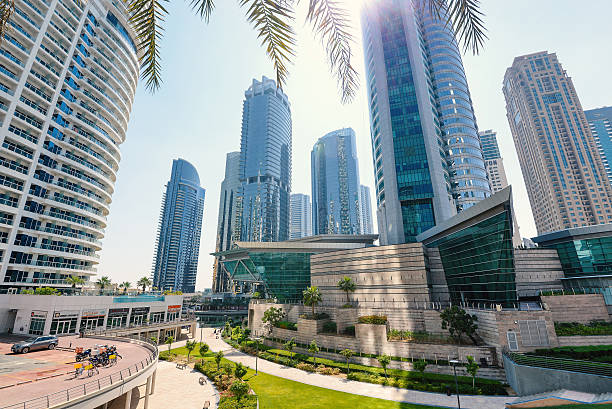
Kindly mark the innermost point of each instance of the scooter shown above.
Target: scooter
(83, 355)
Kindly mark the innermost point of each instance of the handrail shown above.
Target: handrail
(76, 392)
(117, 330)
(562, 364)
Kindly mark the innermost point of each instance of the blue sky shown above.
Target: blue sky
(196, 115)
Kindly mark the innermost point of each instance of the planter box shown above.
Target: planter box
(310, 328)
(371, 335)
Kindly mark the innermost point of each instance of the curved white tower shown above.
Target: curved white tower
(68, 74)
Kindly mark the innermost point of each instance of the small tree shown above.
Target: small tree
(74, 281)
(218, 358)
(384, 361)
(289, 345)
(472, 368)
(312, 296)
(190, 345)
(347, 353)
(46, 291)
(458, 323)
(347, 285)
(144, 282)
(154, 340)
(203, 349)
(313, 348)
(272, 316)
(420, 366)
(240, 371)
(169, 341)
(125, 285)
(103, 282)
(239, 389)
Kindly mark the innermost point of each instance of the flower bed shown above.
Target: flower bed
(223, 379)
(286, 325)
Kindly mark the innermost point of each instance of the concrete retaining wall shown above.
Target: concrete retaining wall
(527, 380)
(577, 308)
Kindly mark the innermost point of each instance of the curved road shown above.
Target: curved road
(354, 387)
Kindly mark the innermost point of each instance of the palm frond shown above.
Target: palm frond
(204, 8)
(330, 21)
(7, 7)
(147, 17)
(466, 19)
(273, 21)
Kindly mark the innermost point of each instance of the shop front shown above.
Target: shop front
(37, 322)
(157, 316)
(174, 312)
(139, 315)
(92, 319)
(117, 317)
(64, 322)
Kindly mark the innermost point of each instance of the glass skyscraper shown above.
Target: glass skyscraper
(365, 209)
(175, 264)
(600, 120)
(565, 177)
(265, 164)
(335, 184)
(68, 74)
(227, 216)
(301, 216)
(493, 160)
(428, 161)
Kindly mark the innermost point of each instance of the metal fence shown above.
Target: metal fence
(144, 326)
(562, 364)
(96, 385)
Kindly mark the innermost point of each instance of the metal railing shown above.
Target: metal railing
(561, 364)
(145, 326)
(96, 385)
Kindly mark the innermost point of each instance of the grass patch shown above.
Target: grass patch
(594, 353)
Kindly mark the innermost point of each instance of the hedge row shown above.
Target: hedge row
(596, 353)
(575, 328)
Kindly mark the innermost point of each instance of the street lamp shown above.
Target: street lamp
(257, 352)
(454, 362)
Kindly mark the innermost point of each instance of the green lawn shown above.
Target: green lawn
(279, 393)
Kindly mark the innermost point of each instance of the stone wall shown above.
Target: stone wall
(577, 308)
(583, 340)
(537, 270)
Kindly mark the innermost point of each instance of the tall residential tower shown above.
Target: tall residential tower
(365, 210)
(335, 184)
(175, 264)
(227, 216)
(493, 160)
(600, 121)
(428, 161)
(68, 74)
(562, 167)
(265, 164)
(301, 216)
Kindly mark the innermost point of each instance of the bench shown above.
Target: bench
(181, 365)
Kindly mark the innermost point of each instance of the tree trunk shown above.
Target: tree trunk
(347, 298)
(313, 316)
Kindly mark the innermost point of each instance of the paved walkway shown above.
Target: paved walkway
(355, 387)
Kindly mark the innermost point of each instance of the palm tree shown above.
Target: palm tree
(312, 296)
(103, 282)
(125, 285)
(347, 285)
(74, 281)
(144, 282)
(274, 21)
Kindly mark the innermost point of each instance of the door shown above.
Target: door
(90, 324)
(138, 320)
(63, 327)
(115, 322)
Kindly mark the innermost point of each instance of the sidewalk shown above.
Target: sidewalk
(355, 387)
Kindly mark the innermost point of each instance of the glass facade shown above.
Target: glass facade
(428, 161)
(301, 216)
(600, 120)
(265, 164)
(584, 257)
(478, 261)
(335, 184)
(175, 264)
(68, 75)
(280, 275)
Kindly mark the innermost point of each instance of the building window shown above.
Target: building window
(533, 333)
(512, 342)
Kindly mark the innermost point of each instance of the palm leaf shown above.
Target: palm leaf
(204, 8)
(272, 19)
(147, 17)
(330, 22)
(466, 19)
(7, 7)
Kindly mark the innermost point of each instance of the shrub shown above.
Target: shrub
(317, 316)
(239, 389)
(325, 370)
(595, 353)
(575, 328)
(287, 325)
(350, 330)
(329, 327)
(306, 367)
(373, 319)
(347, 305)
(230, 402)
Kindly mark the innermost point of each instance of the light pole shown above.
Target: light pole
(256, 353)
(454, 362)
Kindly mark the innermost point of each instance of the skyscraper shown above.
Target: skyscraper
(365, 210)
(68, 74)
(600, 121)
(563, 171)
(265, 164)
(175, 264)
(227, 216)
(428, 162)
(493, 160)
(335, 184)
(301, 216)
